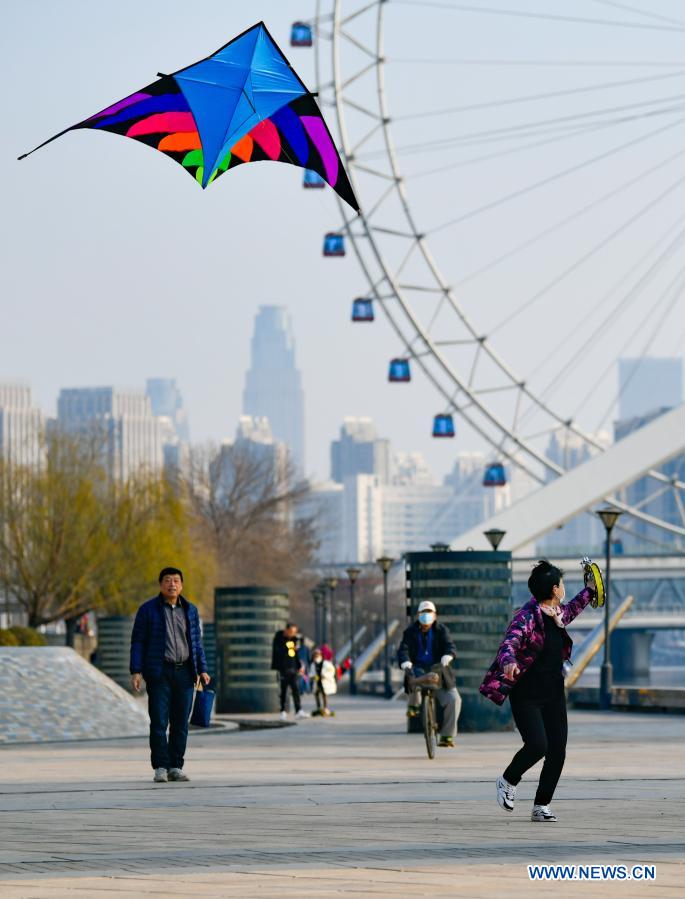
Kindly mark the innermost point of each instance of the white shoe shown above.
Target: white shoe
(302, 714)
(160, 776)
(542, 813)
(506, 794)
(177, 774)
(283, 716)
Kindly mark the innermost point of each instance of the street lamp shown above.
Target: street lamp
(385, 563)
(609, 518)
(321, 588)
(332, 583)
(316, 594)
(494, 537)
(353, 574)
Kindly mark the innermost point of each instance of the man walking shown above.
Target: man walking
(166, 649)
(285, 660)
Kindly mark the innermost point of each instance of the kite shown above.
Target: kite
(244, 103)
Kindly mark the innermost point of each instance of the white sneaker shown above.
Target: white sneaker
(542, 813)
(177, 774)
(283, 716)
(302, 714)
(506, 794)
(160, 776)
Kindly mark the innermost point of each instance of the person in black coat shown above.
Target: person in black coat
(285, 661)
(426, 643)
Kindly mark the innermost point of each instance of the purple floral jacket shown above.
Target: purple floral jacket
(522, 642)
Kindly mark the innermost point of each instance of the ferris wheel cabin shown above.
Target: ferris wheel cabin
(312, 179)
(443, 425)
(300, 35)
(494, 475)
(399, 372)
(333, 244)
(362, 310)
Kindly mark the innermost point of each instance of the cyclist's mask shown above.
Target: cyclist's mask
(427, 617)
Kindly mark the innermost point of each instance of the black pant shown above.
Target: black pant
(320, 696)
(290, 679)
(170, 698)
(540, 715)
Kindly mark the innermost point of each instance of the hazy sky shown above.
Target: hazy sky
(117, 267)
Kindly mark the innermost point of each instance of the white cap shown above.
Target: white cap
(427, 606)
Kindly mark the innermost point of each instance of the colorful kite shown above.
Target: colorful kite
(244, 103)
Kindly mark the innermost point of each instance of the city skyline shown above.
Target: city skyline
(180, 306)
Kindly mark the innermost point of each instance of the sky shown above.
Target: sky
(117, 267)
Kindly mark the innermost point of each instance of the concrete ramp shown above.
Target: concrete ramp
(51, 694)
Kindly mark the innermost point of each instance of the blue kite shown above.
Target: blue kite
(244, 103)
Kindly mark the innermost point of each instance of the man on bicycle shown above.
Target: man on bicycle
(426, 643)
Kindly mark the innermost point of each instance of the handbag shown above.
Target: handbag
(202, 706)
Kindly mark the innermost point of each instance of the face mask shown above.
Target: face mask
(427, 617)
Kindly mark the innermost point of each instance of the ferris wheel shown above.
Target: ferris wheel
(437, 333)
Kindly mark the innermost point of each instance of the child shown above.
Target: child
(322, 674)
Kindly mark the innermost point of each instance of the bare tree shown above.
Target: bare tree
(246, 504)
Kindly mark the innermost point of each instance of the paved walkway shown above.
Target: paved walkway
(345, 805)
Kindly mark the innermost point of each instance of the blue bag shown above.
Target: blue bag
(202, 708)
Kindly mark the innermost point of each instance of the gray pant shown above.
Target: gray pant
(450, 703)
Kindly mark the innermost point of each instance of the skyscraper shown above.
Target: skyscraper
(130, 432)
(166, 401)
(648, 388)
(648, 384)
(359, 451)
(22, 426)
(273, 385)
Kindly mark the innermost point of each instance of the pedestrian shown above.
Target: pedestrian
(286, 662)
(166, 650)
(528, 669)
(427, 643)
(322, 675)
(305, 656)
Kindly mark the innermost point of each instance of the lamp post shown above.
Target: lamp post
(609, 518)
(321, 589)
(332, 583)
(353, 574)
(385, 563)
(317, 615)
(494, 537)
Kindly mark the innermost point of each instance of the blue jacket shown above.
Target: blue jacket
(149, 638)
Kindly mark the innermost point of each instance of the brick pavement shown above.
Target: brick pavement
(345, 805)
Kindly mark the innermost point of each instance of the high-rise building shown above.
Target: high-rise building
(359, 451)
(22, 426)
(273, 385)
(648, 384)
(582, 534)
(122, 420)
(166, 401)
(167, 407)
(648, 388)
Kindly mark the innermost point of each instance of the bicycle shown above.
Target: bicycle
(425, 684)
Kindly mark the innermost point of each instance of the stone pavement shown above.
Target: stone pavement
(348, 805)
(50, 693)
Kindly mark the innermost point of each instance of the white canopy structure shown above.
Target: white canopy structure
(581, 488)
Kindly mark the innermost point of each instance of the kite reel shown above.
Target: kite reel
(592, 570)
